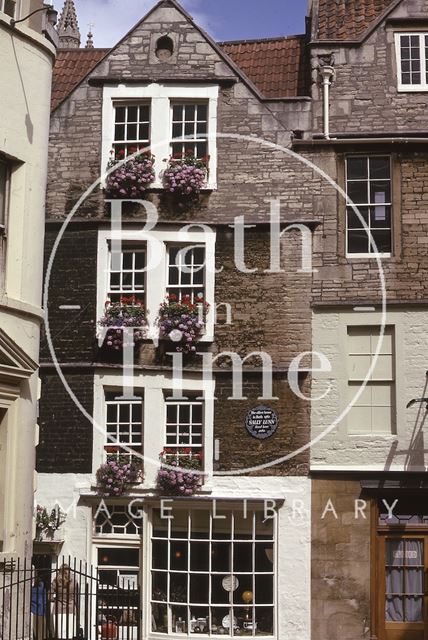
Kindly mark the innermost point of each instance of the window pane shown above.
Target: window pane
(358, 242)
(357, 168)
(380, 217)
(354, 221)
(119, 132)
(380, 168)
(382, 240)
(132, 114)
(380, 191)
(358, 192)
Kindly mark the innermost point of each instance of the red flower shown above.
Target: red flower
(172, 297)
(189, 152)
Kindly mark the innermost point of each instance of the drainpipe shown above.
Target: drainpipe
(327, 74)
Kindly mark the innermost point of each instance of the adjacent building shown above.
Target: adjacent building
(316, 145)
(28, 54)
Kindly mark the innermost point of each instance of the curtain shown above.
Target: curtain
(404, 581)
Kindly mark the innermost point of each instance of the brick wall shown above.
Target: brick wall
(65, 444)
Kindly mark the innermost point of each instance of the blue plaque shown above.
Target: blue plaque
(261, 422)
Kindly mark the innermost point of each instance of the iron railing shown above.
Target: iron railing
(66, 600)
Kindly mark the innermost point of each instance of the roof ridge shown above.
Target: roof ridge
(253, 40)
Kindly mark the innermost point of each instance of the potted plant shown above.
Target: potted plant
(180, 473)
(133, 177)
(120, 316)
(182, 321)
(115, 476)
(48, 522)
(185, 176)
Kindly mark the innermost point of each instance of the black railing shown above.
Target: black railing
(66, 601)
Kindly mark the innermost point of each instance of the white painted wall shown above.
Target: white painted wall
(26, 60)
(294, 533)
(399, 451)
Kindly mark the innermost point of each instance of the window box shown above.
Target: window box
(184, 178)
(131, 179)
(182, 322)
(115, 476)
(180, 472)
(125, 323)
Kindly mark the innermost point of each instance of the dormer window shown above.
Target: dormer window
(412, 61)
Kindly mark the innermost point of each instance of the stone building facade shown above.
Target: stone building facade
(263, 316)
(293, 126)
(374, 456)
(27, 58)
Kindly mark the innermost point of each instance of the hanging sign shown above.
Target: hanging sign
(261, 422)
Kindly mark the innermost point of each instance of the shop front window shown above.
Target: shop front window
(213, 573)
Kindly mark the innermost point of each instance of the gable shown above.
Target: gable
(195, 55)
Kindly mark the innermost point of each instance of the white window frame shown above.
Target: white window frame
(122, 292)
(171, 288)
(372, 254)
(423, 86)
(356, 381)
(221, 509)
(154, 389)
(157, 242)
(139, 143)
(194, 447)
(116, 536)
(161, 96)
(138, 447)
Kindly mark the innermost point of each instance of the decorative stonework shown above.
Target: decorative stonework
(68, 27)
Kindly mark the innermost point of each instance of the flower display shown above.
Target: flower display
(131, 178)
(118, 316)
(178, 474)
(182, 321)
(186, 176)
(48, 521)
(115, 475)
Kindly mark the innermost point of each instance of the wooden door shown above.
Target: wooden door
(403, 596)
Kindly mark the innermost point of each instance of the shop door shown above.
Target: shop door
(403, 595)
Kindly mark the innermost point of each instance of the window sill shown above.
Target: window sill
(413, 89)
(158, 187)
(365, 256)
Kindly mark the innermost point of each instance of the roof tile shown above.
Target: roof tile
(276, 66)
(348, 19)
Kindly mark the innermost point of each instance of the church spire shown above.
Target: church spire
(68, 27)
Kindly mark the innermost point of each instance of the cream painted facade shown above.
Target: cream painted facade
(347, 446)
(26, 60)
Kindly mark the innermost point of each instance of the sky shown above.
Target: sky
(222, 19)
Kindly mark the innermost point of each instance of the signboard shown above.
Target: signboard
(261, 422)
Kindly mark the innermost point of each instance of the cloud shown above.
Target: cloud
(112, 19)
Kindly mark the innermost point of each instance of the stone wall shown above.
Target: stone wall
(340, 562)
(364, 95)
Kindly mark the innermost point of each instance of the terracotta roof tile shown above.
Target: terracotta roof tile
(70, 68)
(348, 19)
(276, 66)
